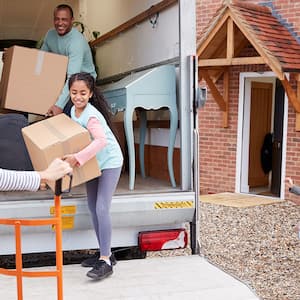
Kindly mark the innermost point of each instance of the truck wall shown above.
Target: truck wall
(142, 45)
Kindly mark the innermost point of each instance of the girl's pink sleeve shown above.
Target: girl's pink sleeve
(99, 141)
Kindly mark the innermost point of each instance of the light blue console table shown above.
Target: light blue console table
(150, 90)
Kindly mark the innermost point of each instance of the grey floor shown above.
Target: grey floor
(159, 278)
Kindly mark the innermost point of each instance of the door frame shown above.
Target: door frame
(242, 165)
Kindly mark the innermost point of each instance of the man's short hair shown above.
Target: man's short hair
(65, 6)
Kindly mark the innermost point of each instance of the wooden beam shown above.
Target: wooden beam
(226, 97)
(212, 34)
(297, 128)
(231, 61)
(133, 21)
(291, 94)
(213, 89)
(230, 39)
(217, 73)
(269, 59)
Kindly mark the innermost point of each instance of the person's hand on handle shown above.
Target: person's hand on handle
(56, 170)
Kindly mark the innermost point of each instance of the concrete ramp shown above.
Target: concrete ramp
(157, 278)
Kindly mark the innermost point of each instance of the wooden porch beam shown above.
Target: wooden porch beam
(230, 39)
(218, 25)
(213, 89)
(226, 97)
(298, 98)
(231, 61)
(291, 94)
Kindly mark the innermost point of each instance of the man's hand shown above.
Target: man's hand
(53, 111)
(4, 54)
(56, 170)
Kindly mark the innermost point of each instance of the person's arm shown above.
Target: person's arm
(99, 142)
(19, 180)
(295, 189)
(11, 180)
(291, 186)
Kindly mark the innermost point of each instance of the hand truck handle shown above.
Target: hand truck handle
(58, 186)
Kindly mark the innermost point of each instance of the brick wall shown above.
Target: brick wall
(218, 144)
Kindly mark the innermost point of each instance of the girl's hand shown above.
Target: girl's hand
(70, 158)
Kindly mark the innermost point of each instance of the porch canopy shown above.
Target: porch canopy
(247, 34)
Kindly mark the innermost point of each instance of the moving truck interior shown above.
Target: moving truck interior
(141, 44)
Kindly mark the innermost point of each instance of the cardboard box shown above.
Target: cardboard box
(55, 137)
(31, 79)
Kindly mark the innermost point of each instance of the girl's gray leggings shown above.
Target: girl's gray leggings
(99, 195)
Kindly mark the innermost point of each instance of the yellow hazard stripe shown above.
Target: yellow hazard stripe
(173, 204)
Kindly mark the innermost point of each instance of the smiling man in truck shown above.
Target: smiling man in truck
(66, 40)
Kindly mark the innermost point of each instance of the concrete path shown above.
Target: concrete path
(159, 278)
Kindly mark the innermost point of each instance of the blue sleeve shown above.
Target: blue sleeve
(45, 44)
(75, 56)
(295, 190)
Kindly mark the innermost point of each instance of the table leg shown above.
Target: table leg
(143, 127)
(128, 126)
(173, 130)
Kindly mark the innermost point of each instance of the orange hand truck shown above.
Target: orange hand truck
(57, 222)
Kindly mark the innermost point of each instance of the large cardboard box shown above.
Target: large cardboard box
(55, 137)
(31, 79)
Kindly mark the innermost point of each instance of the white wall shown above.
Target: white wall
(140, 46)
(28, 19)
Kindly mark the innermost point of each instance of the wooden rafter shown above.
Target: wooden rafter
(298, 99)
(236, 61)
(214, 90)
(291, 94)
(226, 97)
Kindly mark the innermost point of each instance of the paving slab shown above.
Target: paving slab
(157, 278)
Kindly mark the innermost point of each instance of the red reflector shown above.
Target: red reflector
(162, 239)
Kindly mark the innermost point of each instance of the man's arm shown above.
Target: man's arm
(75, 61)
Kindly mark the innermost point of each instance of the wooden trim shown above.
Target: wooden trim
(257, 60)
(297, 127)
(270, 60)
(226, 97)
(230, 39)
(135, 20)
(291, 94)
(213, 89)
(212, 34)
(238, 49)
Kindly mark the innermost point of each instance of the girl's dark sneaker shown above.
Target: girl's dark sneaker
(90, 262)
(100, 270)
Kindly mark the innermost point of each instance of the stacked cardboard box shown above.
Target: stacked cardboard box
(31, 79)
